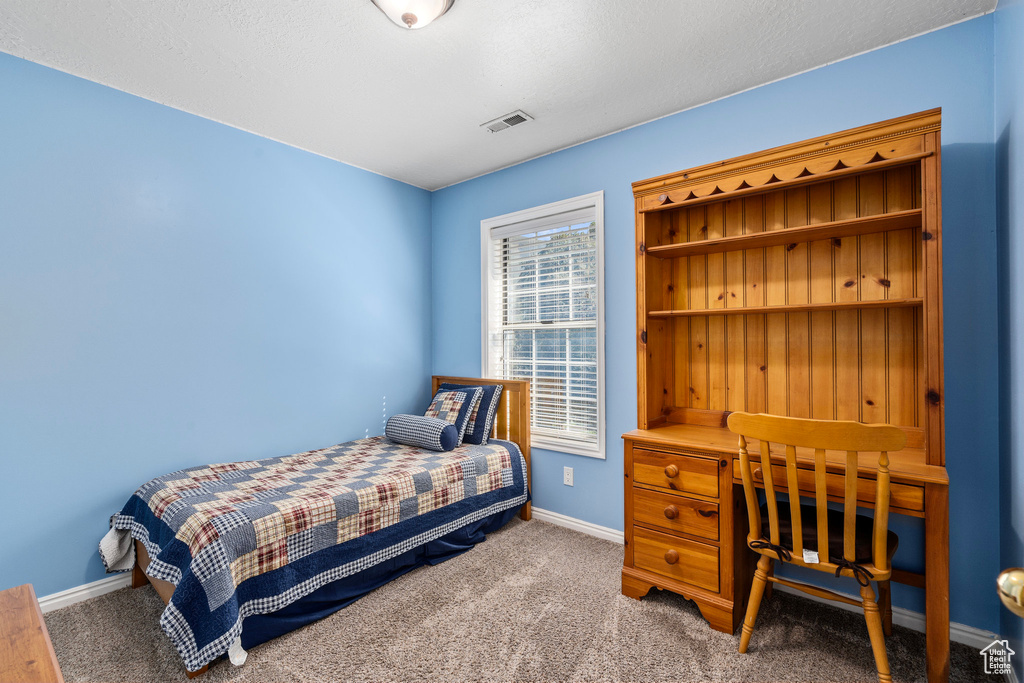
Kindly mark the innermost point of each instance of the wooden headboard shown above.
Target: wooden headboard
(512, 419)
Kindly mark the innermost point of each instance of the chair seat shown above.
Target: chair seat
(809, 520)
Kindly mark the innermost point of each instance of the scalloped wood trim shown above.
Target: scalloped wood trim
(804, 177)
(799, 152)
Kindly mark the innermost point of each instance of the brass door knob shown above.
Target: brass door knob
(1010, 584)
(671, 512)
(671, 556)
(671, 471)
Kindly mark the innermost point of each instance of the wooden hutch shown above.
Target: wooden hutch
(804, 281)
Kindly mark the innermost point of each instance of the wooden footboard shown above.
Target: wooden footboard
(512, 421)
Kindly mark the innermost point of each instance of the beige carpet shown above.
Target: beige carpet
(535, 602)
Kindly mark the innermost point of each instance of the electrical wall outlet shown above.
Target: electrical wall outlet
(567, 476)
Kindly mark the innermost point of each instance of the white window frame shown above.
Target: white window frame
(593, 200)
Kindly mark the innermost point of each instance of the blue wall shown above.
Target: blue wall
(952, 69)
(1009, 131)
(173, 292)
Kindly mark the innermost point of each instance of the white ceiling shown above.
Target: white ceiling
(336, 77)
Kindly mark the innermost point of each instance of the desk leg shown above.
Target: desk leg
(936, 580)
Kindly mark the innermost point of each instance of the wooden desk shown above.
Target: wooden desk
(702, 454)
(26, 654)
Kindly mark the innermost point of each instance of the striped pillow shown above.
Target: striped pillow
(422, 431)
(455, 407)
(481, 419)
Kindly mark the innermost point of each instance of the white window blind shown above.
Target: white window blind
(543, 276)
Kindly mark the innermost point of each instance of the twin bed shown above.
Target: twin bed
(245, 552)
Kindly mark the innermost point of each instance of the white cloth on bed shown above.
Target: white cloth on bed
(236, 654)
(117, 549)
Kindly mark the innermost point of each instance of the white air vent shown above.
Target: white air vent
(507, 121)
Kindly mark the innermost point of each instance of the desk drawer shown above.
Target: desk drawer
(676, 513)
(902, 496)
(677, 558)
(682, 473)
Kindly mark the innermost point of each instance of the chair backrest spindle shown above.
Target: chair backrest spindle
(850, 507)
(821, 501)
(749, 491)
(881, 525)
(769, 492)
(793, 490)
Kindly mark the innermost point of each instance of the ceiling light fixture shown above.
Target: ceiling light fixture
(413, 13)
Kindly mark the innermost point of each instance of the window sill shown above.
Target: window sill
(568, 447)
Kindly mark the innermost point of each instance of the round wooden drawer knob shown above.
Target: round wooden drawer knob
(758, 474)
(671, 512)
(671, 471)
(671, 556)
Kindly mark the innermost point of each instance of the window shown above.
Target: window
(543, 313)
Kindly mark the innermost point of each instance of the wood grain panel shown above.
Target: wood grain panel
(26, 653)
(662, 379)
(717, 370)
(921, 359)
(674, 230)
(678, 290)
(775, 295)
(798, 324)
(822, 324)
(715, 223)
(847, 249)
(681, 361)
(657, 280)
(873, 352)
(874, 285)
(698, 388)
(736, 382)
(871, 201)
(757, 364)
(753, 262)
(735, 294)
(903, 367)
(846, 260)
(935, 397)
(717, 295)
(902, 353)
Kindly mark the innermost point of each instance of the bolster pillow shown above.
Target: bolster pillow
(424, 432)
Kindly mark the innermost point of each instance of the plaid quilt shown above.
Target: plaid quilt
(246, 538)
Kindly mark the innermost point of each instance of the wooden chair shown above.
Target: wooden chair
(847, 544)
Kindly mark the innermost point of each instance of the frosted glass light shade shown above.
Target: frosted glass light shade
(413, 13)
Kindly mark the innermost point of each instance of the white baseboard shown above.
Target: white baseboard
(587, 528)
(48, 603)
(958, 633)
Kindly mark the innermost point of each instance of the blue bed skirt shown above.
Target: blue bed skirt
(328, 599)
